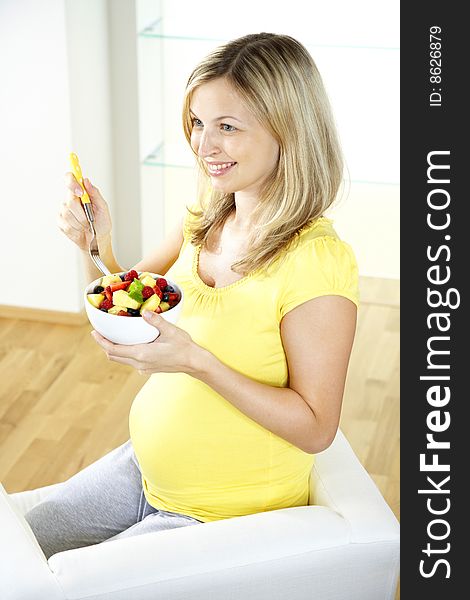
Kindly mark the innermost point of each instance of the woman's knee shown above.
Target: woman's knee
(48, 522)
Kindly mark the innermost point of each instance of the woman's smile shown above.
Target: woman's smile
(219, 169)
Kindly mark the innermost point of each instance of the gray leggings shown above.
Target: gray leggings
(103, 502)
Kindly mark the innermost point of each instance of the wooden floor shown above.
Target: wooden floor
(64, 405)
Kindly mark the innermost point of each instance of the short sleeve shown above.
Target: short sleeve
(319, 267)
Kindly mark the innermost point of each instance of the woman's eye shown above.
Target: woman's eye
(227, 127)
(196, 122)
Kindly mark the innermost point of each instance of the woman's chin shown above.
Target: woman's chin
(220, 186)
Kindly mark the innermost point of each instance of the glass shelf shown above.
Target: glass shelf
(173, 156)
(168, 31)
(174, 29)
(170, 155)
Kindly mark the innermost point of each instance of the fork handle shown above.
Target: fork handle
(77, 171)
(89, 213)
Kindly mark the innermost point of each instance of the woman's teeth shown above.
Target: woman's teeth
(217, 168)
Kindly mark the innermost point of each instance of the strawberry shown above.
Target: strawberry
(162, 283)
(147, 292)
(106, 304)
(108, 293)
(131, 275)
(158, 291)
(173, 298)
(114, 287)
(123, 313)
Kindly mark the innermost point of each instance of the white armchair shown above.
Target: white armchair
(344, 546)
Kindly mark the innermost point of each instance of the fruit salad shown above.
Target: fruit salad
(128, 295)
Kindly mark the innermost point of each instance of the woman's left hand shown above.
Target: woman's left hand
(172, 352)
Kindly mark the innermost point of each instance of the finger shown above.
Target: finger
(74, 205)
(76, 223)
(158, 322)
(67, 227)
(90, 188)
(117, 350)
(72, 198)
(126, 361)
(73, 184)
(68, 218)
(106, 344)
(75, 216)
(94, 193)
(109, 347)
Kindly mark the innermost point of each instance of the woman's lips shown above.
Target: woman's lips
(221, 170)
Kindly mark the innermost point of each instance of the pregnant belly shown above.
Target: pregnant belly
(201, 456)
(184, 433)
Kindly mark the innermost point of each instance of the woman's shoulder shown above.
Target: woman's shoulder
(319, 235)
(317, 228)
(319, 263)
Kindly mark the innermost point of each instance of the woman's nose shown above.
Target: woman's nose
(207, 144)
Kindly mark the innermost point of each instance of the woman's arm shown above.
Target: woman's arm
(317, 338)
(165, 254)
(105, 247)
(158, 261)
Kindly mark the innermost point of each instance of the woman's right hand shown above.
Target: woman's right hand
(72, 220)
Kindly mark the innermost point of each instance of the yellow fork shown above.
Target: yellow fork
(87, 207)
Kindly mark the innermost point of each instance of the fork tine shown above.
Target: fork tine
(99, 263)
(93, 247)
(104, 268)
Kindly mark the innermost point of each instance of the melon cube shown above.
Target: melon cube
(114, 310)
(148, 280)
(122, 298)
(145, 274)
(150, 304)
(109, 279)
(95, 299)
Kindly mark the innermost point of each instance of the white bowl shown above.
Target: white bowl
(128, 330)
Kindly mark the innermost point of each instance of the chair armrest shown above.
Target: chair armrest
(24, 572)
(178, 559)
(340, 482)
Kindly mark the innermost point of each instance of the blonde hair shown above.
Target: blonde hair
(279, 82)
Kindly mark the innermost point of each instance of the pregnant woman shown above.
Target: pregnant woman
(248, 387)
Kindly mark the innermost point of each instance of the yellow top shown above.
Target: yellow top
(200, 455)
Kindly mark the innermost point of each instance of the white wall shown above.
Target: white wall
(56, 96)
(124, 108)
(54, 99)
(356, 47)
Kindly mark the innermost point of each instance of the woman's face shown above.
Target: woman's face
(238, 151)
